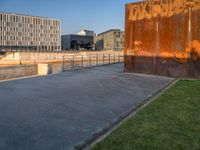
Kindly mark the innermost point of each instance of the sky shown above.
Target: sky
(96, 15)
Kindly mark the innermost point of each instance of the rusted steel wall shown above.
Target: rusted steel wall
(162, 37)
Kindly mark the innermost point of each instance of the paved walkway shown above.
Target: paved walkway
(59, 111)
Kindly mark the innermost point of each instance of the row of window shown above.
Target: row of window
(27, 38)
(27, 43)
(28, 19)
(34, 47)
(35, 30)
(119, 35)
(119, 43)
(7, 33)
(31, 26)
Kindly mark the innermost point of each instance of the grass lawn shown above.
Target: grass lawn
(171, 122)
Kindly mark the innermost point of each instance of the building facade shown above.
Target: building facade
(23, 32)
(110, 40)
(77, 42)
(86, 32)
(163, 38)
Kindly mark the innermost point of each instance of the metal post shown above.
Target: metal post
(114, 58)
(63, 65)
(103, 59)
(73, 62)
(97, 60)
(109, 58)
(90, 60)
(82, 60)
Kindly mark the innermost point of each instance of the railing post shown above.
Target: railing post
(119, 58)
(114, 58)
(20, 61)
(73, 62)
(103, 59)
(90, 60)
(63, 65)
(109, 58)
(82, 60)
(97, 59)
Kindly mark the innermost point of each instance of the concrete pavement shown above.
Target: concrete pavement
(59, 111)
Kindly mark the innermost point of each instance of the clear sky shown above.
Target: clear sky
(96, 15)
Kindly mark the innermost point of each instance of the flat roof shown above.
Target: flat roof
(77, 35)
(18, 14)
(109, 31)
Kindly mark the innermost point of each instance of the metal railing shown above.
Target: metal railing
(52, 51)
(72, 61)
(83, 61)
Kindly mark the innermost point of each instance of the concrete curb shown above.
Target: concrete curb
(102, 134)
(19, 78)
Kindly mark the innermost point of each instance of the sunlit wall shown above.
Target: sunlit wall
(162, 37)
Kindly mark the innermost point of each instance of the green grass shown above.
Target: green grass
(171, 122)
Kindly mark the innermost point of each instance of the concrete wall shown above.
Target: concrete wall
(29, 70)
(32, 58)
(17, 71)
(78, 60)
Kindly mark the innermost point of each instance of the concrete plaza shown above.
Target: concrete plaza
(58, 111)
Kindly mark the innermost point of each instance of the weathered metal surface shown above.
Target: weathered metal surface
(163, 37)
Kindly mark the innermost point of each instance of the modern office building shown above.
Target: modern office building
(110, 40)
(86, 32)
(24, 32)
(77, 42)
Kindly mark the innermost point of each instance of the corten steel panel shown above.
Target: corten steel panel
(162, 37)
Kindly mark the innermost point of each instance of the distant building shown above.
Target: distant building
(110, 40)
(86, 32)
(77, 42)
(24, 32)
(80, 41)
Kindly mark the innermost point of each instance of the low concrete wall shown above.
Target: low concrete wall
(10, 72)
(57, 68)
(17, 71)
(55, 60)
(42, 57)
(45, 69)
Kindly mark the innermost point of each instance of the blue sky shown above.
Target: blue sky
(97, 15)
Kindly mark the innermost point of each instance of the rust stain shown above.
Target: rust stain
(163, 37)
